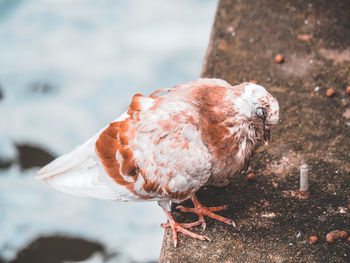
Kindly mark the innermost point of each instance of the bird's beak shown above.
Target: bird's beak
(267, 135)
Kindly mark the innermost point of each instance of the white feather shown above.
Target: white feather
(83, 183)
(81, 157)
(80, 173)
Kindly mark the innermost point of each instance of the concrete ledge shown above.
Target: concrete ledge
(273, 223)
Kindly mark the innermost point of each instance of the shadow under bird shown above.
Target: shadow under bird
(170, 144)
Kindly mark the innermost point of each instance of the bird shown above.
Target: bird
(168, 145)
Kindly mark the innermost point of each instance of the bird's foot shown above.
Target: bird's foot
(202, 211)
(181, 227)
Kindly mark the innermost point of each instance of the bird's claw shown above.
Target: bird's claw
(233, 223)
(204, 224)
(182, 227)
(207, 238)
(202, 211)
(179, 207)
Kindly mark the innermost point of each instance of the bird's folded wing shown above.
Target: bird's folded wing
(80, 173)
(154, 151)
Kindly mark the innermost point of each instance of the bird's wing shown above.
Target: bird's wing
(154, 151)
(80, 173)
(168, 149)
(157, 152)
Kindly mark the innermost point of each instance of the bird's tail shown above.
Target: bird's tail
(79, 173)
(80, 158)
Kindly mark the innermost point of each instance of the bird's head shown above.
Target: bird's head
(261, 108)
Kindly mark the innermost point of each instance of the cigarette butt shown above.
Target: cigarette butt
(304, 192)
(304, 178)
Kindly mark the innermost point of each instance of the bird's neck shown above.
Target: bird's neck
(231, 140)
(227, 133)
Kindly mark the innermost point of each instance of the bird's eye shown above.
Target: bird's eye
(261, 112)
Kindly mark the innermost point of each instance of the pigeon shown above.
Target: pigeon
(168, 145)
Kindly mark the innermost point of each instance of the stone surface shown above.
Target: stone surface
(273, 223)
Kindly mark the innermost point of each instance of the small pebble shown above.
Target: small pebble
(343, 234)
(230, 29)
(333, 236)
(279, 58)
(304, 37)
(330, 92)
(348, 89)
(342, 210)
(330, 238)
(313, 239)
(251, 177)
(269, 215)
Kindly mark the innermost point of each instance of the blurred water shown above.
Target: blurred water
(66, 69)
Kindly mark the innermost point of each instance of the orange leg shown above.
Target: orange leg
(202, 211)
(177, 227)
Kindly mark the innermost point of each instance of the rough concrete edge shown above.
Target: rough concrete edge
(203, 70)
